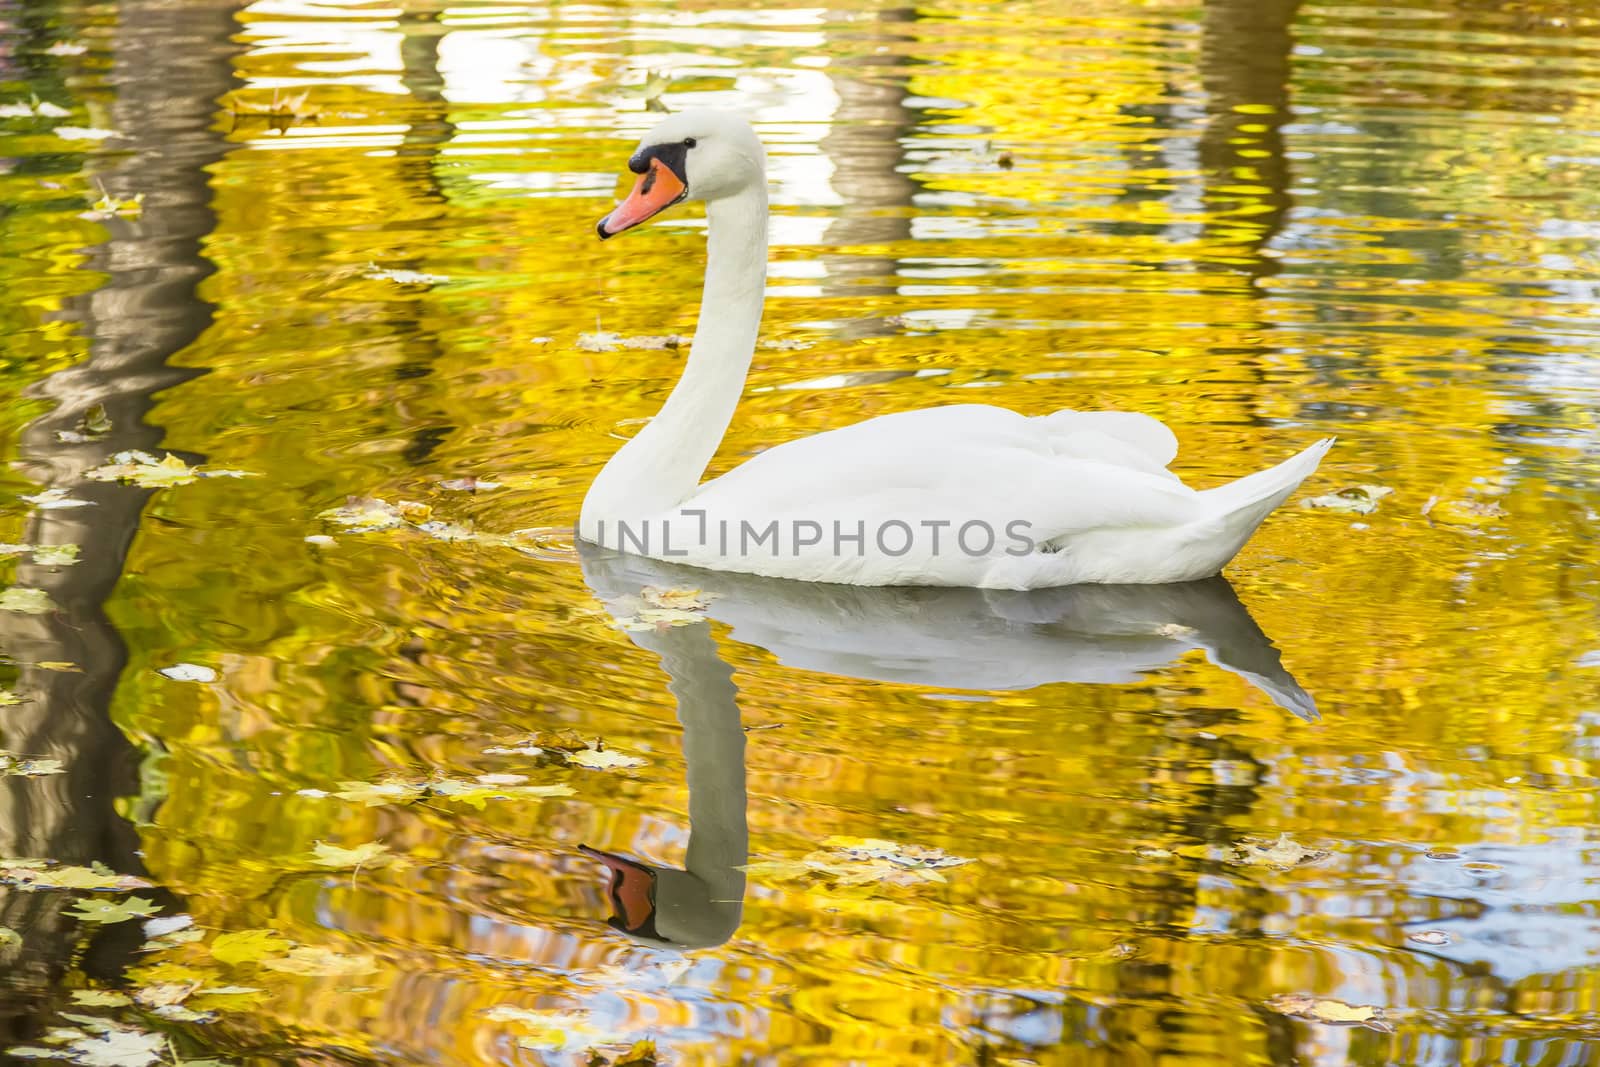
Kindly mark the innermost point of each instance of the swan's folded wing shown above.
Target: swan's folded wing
(960, 464)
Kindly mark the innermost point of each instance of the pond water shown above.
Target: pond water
(1263, 221)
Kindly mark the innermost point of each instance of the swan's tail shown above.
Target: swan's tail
(1236, 509)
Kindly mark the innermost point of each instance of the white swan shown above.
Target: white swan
(967, 495)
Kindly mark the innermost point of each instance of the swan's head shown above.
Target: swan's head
(694, 155)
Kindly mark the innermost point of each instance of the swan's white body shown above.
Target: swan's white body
(968, 495)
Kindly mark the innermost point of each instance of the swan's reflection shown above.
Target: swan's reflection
(942, 638)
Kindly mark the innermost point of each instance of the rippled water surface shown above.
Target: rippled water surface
(1263, 221)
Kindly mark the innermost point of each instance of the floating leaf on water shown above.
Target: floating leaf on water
(83, 133)
(188, 672)
(14, 766)
(401, 276)
(179, 1013)
(367, 854)
(469, 484)
(280, 105)
(784, 344)
(58, 665)
(9, 938)
(8, 698)
(40, 874)
(144, 469)
(1361, 499)
(36, 1052)
(1429, 937)
(161, 993)
(521, 749)
(55, 499)
(602, 759)
(656, 341)
(34, 108)
(112, 911)
(681, 599)
(55, 555)
(1462, 512)
(66, 48)
(653, 975)
(26, 601)
(110, 207)
(247, 946)
(318, 793)
(1151, 853)
(1326, 1010)
(100, 998)
(639, 1054)
(857, 861)
(1282, 852)
(479, 791)
(545, 1029)
(167, 924)
(361, 515)
(322, 962)
(387, 791)
(600, 341)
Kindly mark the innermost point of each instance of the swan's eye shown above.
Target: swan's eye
(688, 142)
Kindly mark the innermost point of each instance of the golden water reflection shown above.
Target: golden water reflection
(1263, 222)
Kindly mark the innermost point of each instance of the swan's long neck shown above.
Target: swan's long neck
(661, 467)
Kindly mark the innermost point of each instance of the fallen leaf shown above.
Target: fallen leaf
(402, 277)
(167, 924)
(34, 108)
(36, 1052)
(545, 1029)
(282, 105)
(1462, 512)
(13, 766)
(111, 911)
(367, 854)
(26, 601)
(784, 345)
(365, 515)
(387, 791)
(100, 998)
(1429, 937)
(1325, 1010)
(1282, 853)
(59, 665)
(162, 993)
(119, 1047)
(1361, 499)
(248, 946)
(180, 1013)
(857, 861)
(110, 207)
(8, 698)
(639, 1054)
(602, 759)
(678, 599)
(55, 499)
(600, 341)
(321, 962)
(9, 938)
(55, 555)
(188, 672)
(66, 48)
(40, 874)
(468, 484)
(84, 133)
(478, 792)
(144, 469)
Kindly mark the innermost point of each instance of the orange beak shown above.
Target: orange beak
(657, 189)
(633, 892)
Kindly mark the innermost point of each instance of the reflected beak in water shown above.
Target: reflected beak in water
(633, 893)
(658, 188)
